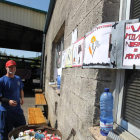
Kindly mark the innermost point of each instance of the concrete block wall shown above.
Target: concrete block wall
(78, 103)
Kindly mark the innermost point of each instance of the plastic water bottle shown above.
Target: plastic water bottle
(106, 109)
(58, 81)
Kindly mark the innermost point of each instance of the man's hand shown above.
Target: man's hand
(12, 103)
(22, 101)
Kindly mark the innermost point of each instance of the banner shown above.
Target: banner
(69, 56)
(132, 45)
(64, 54)
(97, 44)
(74, 36)
(78, 53)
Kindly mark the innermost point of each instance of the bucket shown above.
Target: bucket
(43, 128)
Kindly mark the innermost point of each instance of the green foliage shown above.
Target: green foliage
(16, 58)
(35, 64)
(4, 54)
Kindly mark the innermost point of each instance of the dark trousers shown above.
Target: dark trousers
(10, 120)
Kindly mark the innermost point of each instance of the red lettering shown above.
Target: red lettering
(129, 56)
(135, 50)
(133, 29)
(137, 37)
(126, 35)
(132, 56)
(133, 44)
(132, 36)
(137, 56)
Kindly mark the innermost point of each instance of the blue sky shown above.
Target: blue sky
(37, 4)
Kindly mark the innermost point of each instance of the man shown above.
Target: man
(11, 96)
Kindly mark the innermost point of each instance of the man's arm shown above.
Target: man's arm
(22, 97)
(4, 100)
(7, 101)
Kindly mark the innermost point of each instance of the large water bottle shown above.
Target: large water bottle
(58, 81)
(106, 116)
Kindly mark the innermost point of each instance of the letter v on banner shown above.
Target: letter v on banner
(133, 28)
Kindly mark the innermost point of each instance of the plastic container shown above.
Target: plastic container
(58, 81)
(106, 110)
(43, 128)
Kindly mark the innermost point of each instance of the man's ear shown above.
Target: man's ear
(5, 67)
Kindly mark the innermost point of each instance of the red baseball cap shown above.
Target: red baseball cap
(10, 63)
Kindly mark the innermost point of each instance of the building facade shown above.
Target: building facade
(77, 105)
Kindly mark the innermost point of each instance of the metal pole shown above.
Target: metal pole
(42, 62)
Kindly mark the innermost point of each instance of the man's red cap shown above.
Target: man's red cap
(10, 63)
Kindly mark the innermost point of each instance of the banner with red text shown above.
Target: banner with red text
(132, 45)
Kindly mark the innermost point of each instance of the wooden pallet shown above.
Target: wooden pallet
(35, 116)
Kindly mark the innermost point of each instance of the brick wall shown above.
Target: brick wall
(78, 103)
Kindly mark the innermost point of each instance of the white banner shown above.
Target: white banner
(78, 53)
(132, 45)
(97, 46)
(64, 59)
(69, 56)
(74, 36)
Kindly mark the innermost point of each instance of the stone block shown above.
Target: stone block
(106, 75)
(96, 119)
(88, 85)
(80, 14)
(81, 29)
(90, 5)
(76, 6)
(67, 41)
(88, 22)
(77, 85)
(110, 10)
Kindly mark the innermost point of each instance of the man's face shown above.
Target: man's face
(11, 69)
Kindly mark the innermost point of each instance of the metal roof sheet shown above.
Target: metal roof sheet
(23, 6)
(22, 16)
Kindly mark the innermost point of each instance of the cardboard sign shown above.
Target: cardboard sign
(78, 53)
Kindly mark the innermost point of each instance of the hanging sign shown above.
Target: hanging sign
(78, 53)
(64, 58)
(96, 53)
(74, 36)
(69, 56)
(132, 45)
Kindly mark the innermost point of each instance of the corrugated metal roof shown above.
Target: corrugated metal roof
(22, 16)
(23, 6)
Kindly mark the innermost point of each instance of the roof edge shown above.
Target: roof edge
(23, 6)
(49, 15)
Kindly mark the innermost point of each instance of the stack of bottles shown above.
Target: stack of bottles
(38, 135)
(106, 109)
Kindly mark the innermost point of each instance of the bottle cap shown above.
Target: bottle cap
(106, 89)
